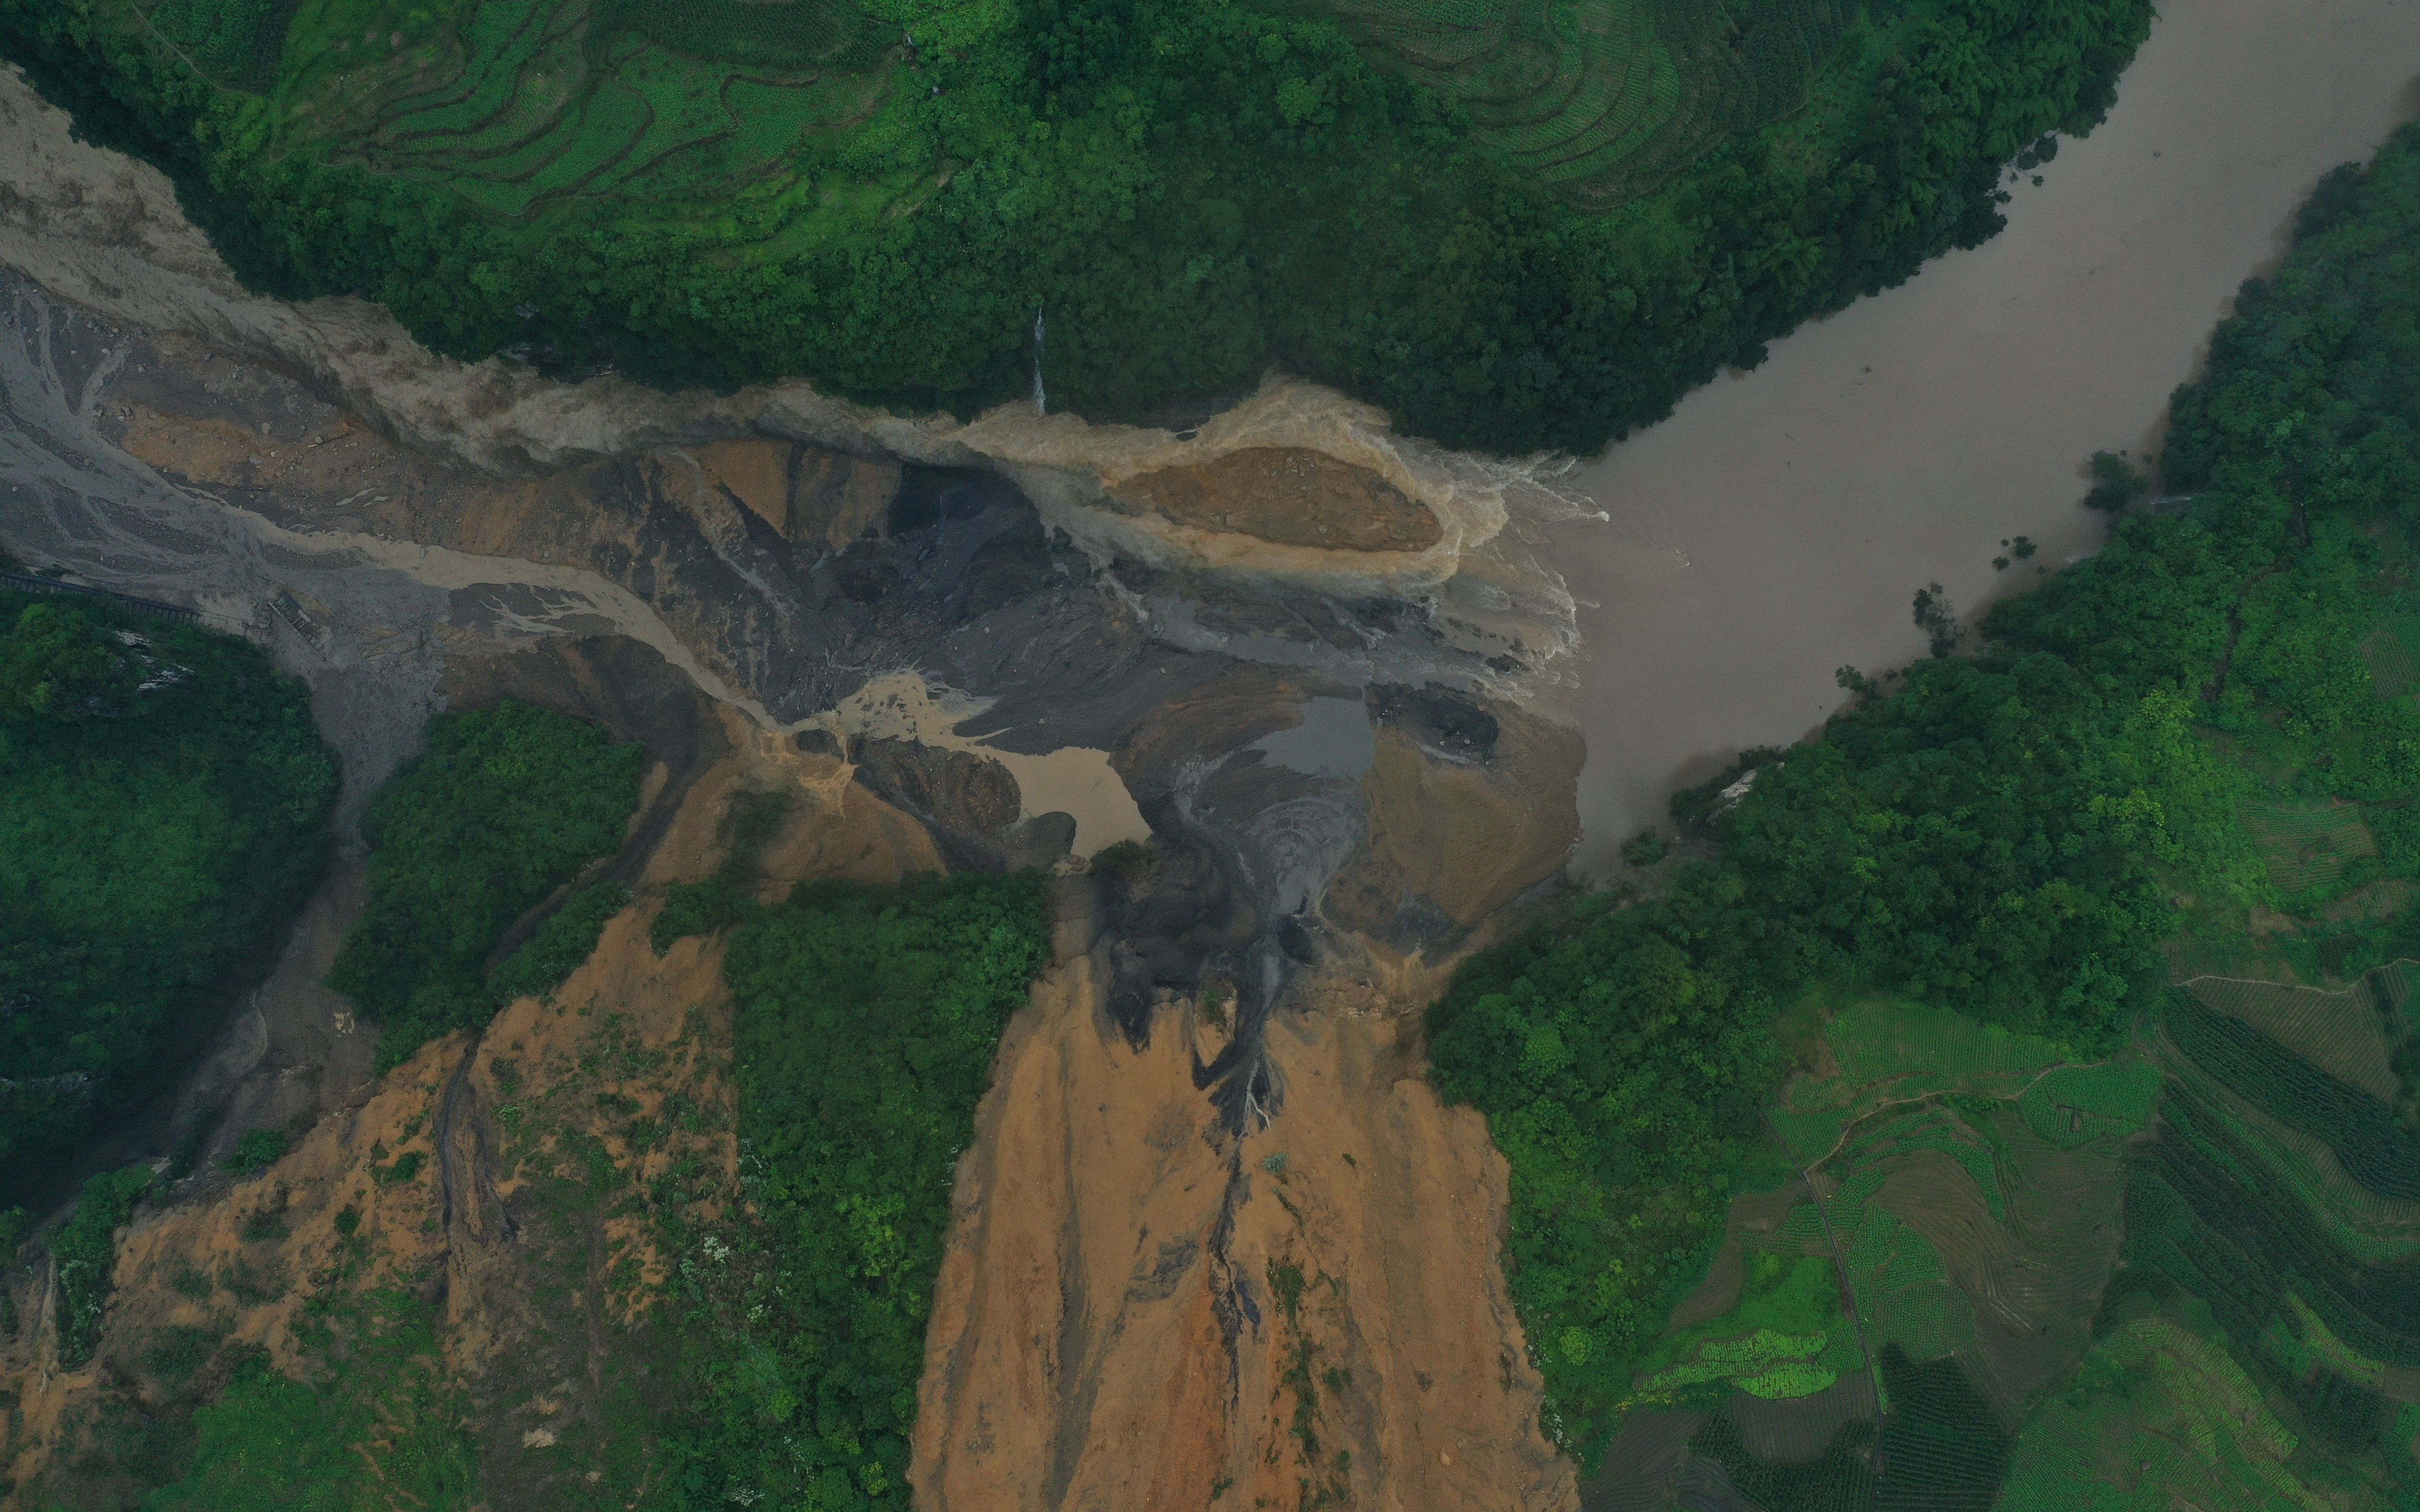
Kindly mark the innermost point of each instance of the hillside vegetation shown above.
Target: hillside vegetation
(506, 805)
(164, 809)
(1516, 223)
(1927, 982)
(866, 1023)
(730, 1224)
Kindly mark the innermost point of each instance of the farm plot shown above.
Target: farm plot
(518, 106)
(788, 34)
(2360, 1129)
(1740, 68)
(1968, 1225)
(2076, 1105)
(2343, 1033)
(2369, 1228)
(2158, 1417)
(1890, 1052)
(2393, 652)
(2308, 845)
(1606, 98)
(2205, 1210)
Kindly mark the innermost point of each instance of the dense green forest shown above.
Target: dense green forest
(506, 805)
(2022, 849)
(164, 809)
(1516, 225)
(868, 1020)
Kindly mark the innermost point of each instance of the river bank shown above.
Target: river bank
(1777, 526)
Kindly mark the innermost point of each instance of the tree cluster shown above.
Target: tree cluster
(867, 1019)
(506, 805)
(163, 807)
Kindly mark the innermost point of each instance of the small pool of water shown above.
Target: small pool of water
(1334, 739)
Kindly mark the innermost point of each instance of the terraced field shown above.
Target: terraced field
(2308, 845)
(879, 194)
(1931, 1270)
(2183, 1276)
(518, 105)
(235, 42)
(1606, 99)
(2394, 657)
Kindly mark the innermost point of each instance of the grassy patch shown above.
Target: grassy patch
(2308, 845)
(83, 1256)
(376, 1420)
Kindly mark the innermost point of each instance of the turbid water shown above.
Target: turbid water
(1076, 780)
(1777, 526)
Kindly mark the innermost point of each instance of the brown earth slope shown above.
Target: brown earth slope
(1291, 494)
(1140, 1310)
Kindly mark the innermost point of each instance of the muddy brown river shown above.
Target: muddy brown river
(1777, 526)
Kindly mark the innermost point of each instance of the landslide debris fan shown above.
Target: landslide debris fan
(1518, 223)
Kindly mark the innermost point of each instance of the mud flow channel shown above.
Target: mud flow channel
(1777, 526)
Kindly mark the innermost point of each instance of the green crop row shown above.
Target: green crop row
(2374, 1147)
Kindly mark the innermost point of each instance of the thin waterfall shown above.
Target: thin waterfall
(1041, 400)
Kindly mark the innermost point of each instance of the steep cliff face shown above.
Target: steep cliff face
(1217, 1237)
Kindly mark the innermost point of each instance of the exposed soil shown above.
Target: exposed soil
(1289, 495)
(1450, 843)
(1139, 1309)
(724, 602)
(810, 496)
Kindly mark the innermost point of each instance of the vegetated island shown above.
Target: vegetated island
(1516, 223)
(2038, 1050)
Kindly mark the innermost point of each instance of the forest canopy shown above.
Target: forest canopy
(868, 1020)
(1516, 225)
(165, 810)
(506, 805)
